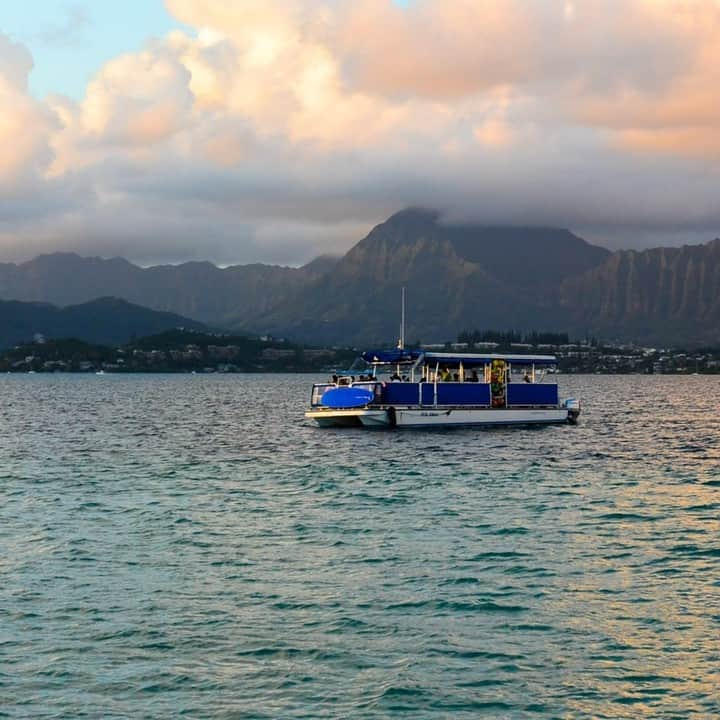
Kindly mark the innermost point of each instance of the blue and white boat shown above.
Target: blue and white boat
(418, 388)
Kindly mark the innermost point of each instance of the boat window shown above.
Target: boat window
(374, 387)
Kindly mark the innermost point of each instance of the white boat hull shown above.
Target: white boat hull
(437, 417)
(349, 418)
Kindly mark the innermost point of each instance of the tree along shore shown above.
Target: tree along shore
(179, 351)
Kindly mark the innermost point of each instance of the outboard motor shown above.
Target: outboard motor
(572, 405)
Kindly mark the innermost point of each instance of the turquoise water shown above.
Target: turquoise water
(188, 546)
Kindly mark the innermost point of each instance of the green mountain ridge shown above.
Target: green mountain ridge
(456, 277)
(105, 321)
(650, 296)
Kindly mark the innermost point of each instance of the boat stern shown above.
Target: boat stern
(355, 417)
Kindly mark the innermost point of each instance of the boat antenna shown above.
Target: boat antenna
(401, 343)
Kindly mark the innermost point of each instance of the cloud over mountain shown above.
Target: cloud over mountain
(278, 129)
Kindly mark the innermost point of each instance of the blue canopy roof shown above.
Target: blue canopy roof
(391, 356)
(467, 359)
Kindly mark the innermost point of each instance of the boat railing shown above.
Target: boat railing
(448, 393)
(318, 390)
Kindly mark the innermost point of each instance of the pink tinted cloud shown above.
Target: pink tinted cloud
(269, 114)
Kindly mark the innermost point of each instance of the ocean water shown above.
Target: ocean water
(188, 546)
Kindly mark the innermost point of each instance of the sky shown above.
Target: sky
(276, 130)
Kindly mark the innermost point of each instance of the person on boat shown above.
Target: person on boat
(474, 376)
(526, 377)
(445, 375)
(395, 377)
(334, 379)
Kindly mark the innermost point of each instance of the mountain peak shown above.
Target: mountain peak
(515, 255)
(427, 216)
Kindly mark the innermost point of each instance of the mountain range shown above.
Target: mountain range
(225, 297)
(105, 321)
(457, 277)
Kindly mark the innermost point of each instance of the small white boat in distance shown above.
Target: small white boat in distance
(431, 389)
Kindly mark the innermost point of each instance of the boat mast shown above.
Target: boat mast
(401, 342)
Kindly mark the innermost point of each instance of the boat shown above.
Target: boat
(439, 389)
(443, 389)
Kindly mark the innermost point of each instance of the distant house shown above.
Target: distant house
(315, 354)
(276, 354)
(223, 352)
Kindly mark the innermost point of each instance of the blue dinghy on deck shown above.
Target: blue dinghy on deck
(342, 398)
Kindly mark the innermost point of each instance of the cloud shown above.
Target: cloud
(25, 124)
(71, 31)
(268, 128)
(447, 50)
(15, 63)
(138, 99)
(683, 116)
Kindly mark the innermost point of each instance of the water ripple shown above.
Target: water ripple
(188, 546)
